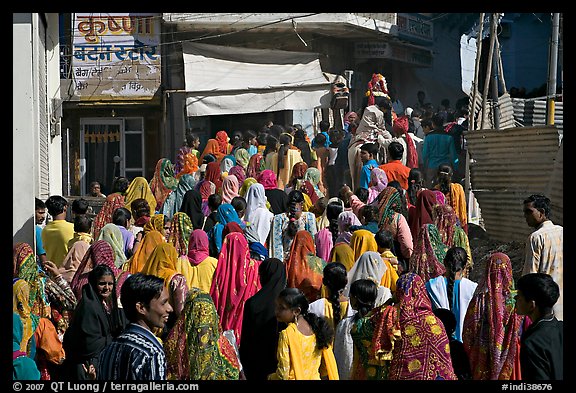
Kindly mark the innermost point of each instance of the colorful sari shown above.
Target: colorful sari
(343, 253)
(229, 188)
(254, 166)
(190, 165)
(423, 214)
(423, 351)
(180, 230)
(451, 232)
(173, 203)
(312, 179)
(235, 280)
(242, 157)
(362, 241)
(239, 172)
(304, 269)
(104, 216)
(164, 181)
(246, 186)
(428, 257)
(218, 147)
(21, 300)
(111, 234)
(378, 182)
(156, 223)
(369, 266)
(25, 267)
(149, 242)
(214, 174)
(99, 253)
(491, 332)
(139, 188)
(346, 219)
(195, 347)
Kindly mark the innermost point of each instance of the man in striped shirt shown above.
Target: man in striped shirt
(544, 246)
(137, 354)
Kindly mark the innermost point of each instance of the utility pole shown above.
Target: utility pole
(552, 69)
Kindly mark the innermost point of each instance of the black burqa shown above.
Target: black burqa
(92, 327)
(192, 206)
(260, 330)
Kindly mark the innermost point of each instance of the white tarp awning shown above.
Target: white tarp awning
(223, 80)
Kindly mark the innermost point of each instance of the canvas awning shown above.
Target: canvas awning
(223, 80)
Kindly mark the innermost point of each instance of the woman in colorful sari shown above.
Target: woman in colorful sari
(225, 214)
(257, 214)
(278, 198)
(362, 240)
(423, 211)
(23, 367)
(25, 267)
(139, 188)
(378, 182)
(113, 202)
(254, 166)
(491, 332)
(297, 179)
(180, 232)
(235, 280)
(343, 253)
(158, 222)
(454, 193)
(429, 253)
(391, 219)
(163, 182)
(312, 179)
(163, 263)
(217, 146)
(286, 225)
(199, 265)
(173, 203)
(423, 351)
(346, 219)
(99, 253)
(112, 235)
(206, 189)
(149, 242)
(451, 232)
(374, 330)
(190, 166)
(196, 349)
(214, 174)
(260, 330)
(246, 185)
(242, 158)
(304, 269)
(239, 172)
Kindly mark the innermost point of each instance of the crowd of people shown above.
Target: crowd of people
(277, 256)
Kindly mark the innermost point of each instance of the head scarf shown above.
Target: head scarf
(254, 165)
(195, 347)
(214, 174)
(428, 255)
(362, 240)
(401, 125)
(198, 247)
(156, 223)
(162, 263)
(104, 216)
(298, 171)
(112, 234)
(146, 247)
(423, 351)
(369, 266)
(242, 157)
(235, 280)
(227, 163)
(378, 182)
(304, 269)
(440, 197)
(324, 244)
(491, 326)
(229, 188)
(445, 220)
(423, 214)
(207, 188)
(389, 202)
(180, 232)
(230, 228)
(239, 172)
(139, 188)
(345, 220)
(255, 199)
(223, 145)
(347, 117)
(192, 206)
(99, 253)
(224, 214)
(343, 253)
(26, 268)
(246, 185)
(268, 179)
(313, 177)
(174, 201)
(190, 165)
(163, 181)
(259, 327)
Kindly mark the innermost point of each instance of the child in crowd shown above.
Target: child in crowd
(368, 152)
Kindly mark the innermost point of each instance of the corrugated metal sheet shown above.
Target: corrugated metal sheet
(555, 189)
(532, 112)
(507, 165)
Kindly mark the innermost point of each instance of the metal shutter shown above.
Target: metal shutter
(43, 125)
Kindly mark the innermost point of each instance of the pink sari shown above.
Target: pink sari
(324, 244)
(235, 280)
(198, 247)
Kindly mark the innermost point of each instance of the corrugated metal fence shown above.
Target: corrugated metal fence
(507, 165)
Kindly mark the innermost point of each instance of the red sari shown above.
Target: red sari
(304, 269)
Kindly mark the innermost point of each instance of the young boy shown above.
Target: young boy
(542, 344)
(368, 152)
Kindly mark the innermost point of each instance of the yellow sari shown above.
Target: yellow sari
(139, 188)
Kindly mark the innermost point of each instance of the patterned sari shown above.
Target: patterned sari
(147, 245)
(156, 223)
(423, 351)
(254, 166)
(451, 232)
(428, 257)
(235, 280)
(104, 216)
(190, 165)
(173, 203)
(111, 234)
(163, 182)
(25, 267)
(304, 269)
(491, 326)
(389, 203)
(180, 230)
(195, 347)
